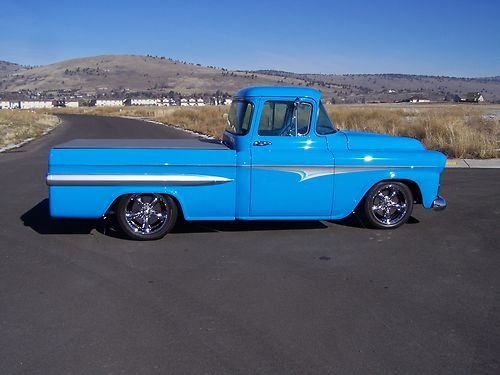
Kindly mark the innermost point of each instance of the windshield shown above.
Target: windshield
(324, 124)
(239, 117)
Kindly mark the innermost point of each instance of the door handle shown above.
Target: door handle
(262, 143)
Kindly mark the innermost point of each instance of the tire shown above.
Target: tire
(146, 216)
(388, 205)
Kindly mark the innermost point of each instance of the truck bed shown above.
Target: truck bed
(199, 173)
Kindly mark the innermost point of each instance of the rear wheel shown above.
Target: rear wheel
(388, 205)
(146, 216)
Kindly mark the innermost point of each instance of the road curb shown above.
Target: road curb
(473, 163)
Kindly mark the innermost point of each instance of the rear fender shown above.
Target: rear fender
(95, 201)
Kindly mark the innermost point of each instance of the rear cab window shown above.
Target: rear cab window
(239, 117)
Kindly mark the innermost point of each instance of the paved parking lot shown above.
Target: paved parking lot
(230, 298)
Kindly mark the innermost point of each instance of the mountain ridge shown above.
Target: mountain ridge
(138, 75)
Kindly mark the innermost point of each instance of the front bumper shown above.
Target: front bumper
(439, 203)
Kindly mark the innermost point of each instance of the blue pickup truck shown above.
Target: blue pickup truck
(281, 158)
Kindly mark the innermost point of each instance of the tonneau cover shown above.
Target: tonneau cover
(194, 143)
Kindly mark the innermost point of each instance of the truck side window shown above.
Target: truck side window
(278, 119)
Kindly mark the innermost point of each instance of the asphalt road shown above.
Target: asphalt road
(237, 298)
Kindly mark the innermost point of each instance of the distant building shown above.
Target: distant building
(4, 105)
(184, 102)
(228, 101)
(391, 91)
(418, 99)
(109, 103)
(72, 104)
(143, 102)
(473, 97)
(167, 102)
(200, 103)
(35, 104)
(192, 102)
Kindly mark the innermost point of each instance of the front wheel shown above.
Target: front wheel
(388, 205)
(146, 216)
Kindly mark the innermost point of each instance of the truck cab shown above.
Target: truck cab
(281, 137)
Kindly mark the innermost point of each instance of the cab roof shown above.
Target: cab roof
(279, 91)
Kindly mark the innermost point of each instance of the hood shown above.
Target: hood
(370, 141)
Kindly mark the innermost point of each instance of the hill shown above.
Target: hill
(119, 75)
(148, 76)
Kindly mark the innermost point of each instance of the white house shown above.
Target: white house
(35, 104)
(4, 105)
(228, 101)
(108, 103)
(200, 103)
(72, 104)
(143, 102)
(184, 102)
(192, 102)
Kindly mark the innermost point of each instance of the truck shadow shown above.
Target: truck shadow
(242, 226)
(38, 218)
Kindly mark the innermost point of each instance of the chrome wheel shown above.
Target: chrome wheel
(388, 204)
(146, 216)
(146, 213)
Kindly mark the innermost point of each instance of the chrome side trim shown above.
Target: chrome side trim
(101, 179)
(439, 203)
(305, 172)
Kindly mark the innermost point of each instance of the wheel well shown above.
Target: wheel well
(112, 207)
(180, 213)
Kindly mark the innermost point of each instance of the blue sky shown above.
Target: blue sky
(457, 38)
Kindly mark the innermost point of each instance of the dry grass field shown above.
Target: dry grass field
(17, 126)
(460, 131)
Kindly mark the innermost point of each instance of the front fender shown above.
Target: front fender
(357, 172)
